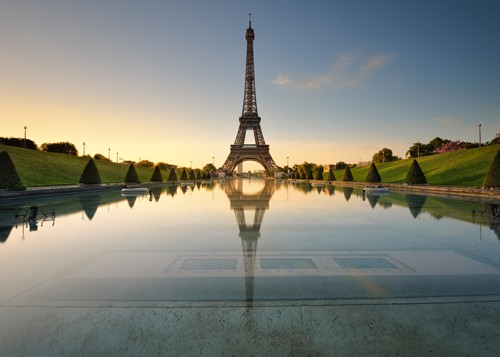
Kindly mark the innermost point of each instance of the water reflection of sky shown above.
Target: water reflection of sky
(246, 240)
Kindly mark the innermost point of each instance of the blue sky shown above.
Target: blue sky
(163, 80)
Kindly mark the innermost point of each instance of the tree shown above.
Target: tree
(492, 179)
(347, 174)
(157, 176)
(340, 165)
(319, 173)
(373, 175)
(19, 142)
(90, 174)
(146, 163)
(9, 179)
(191, 175)
(101, 157)
(209, 168)
(165, 166)
(131, 176)
(415, 174)
(418, 149)
(437, 142)
(61, 148)
(172, 176)
(450, 146)
(384, 155)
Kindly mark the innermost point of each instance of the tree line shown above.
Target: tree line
(305, 170)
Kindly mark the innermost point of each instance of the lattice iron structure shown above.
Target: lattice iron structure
(249, 229)
(249, 120)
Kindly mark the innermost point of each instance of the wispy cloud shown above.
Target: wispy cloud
(347, 71)
(282, 80)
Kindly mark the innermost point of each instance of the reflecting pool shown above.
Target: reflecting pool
(249, 268)
(245, 242)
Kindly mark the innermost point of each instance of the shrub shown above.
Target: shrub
(90, 174)
(347, 174)
(157, 176)
(492, 178)
(340, 165)
(310, 175)
(319, 173)
(191, 175)
(184, 175)
(9, 178)
(131, 176)
(415, 174)
(19, 142)
(101, 157)
(61, 148)
(373, 175)
(331, 175)
(172, 176)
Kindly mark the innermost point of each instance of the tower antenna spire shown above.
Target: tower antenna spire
(250, 20)
(249, 121)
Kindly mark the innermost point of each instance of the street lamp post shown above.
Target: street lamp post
(25, 127)
(84, 148)
(479, 129)
(109, 154)
(117, 157)
(213, 160)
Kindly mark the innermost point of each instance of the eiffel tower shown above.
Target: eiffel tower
(249, 120)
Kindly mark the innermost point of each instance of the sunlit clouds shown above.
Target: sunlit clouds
(347, 71)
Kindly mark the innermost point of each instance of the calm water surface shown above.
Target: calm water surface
(245, 241)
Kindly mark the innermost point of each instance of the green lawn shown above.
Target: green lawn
(40, 168)
(459, 168)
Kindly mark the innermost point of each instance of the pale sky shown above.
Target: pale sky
(164, 80)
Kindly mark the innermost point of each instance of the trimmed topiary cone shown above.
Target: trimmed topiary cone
(90, 174)
(131, 176)
(492, 179)
(319, 174)
(373, 175)
(347, 174)
(184, 175)
(331, 175)
(415, 175)
(157, 176)
(172, 176)
(9, 178)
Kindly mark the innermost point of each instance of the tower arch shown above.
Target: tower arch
(249, 121)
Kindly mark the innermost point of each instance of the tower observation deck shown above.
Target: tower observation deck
(249, 121)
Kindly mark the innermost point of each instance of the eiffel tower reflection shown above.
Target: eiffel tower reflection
(249, 233)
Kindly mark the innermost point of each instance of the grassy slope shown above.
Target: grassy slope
(39, 168)
(462, 168)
